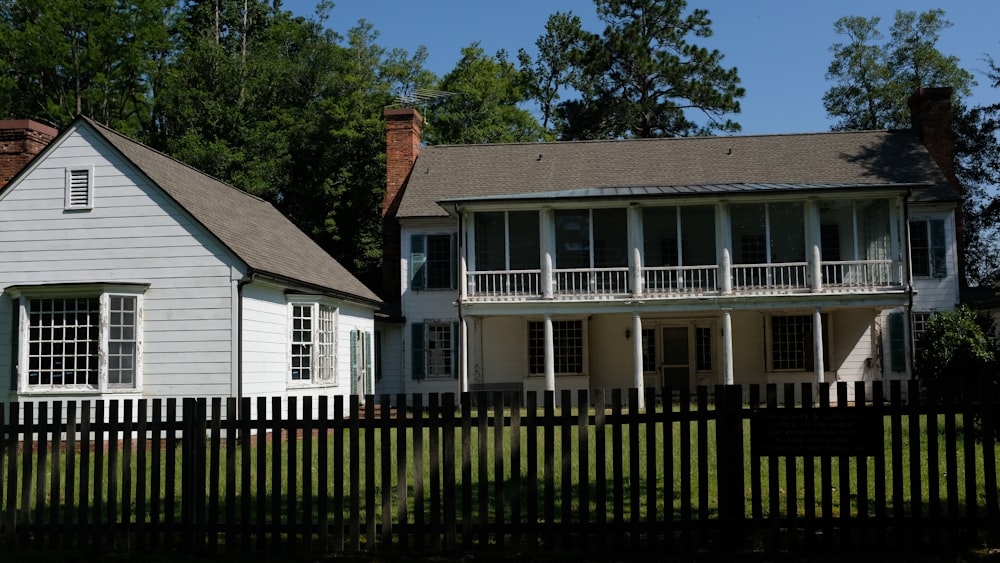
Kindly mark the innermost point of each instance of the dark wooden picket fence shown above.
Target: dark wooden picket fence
(729, 469)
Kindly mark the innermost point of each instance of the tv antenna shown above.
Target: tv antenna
(422, 97)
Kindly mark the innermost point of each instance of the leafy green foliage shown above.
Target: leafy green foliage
(873, 77)
(639, 78)
(483, 105)
(957, 345)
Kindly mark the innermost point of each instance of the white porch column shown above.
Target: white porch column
(813, 238)
(466, 259)
(550, 360)
(548, 245)
(640, 384)
(899, 245)
(635, 242)
(463, 354)
(818, 346)
(724, 235)
(727, 347)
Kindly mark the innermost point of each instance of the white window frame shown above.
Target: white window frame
(73, 174)
(583, 359)
(828, 342)
(22, 297)
(322, 344)
(918, 325)
(445, 328)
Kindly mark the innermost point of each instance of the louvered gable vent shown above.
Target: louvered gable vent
(79, 188)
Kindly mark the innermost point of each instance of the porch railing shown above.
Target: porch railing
(860, 274)
(668, 280)
(788, 276)
(501, 284)
(592, 282)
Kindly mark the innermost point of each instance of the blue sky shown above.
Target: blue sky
(781, 48)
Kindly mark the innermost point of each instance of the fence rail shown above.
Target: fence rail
(502, 471)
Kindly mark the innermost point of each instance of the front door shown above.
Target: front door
(676, 356)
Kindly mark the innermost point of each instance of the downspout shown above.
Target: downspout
(909, 280)
(463, 348)
(239, 338)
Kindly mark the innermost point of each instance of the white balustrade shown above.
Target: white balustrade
(853, 275)
(668, 280)
(780, 277)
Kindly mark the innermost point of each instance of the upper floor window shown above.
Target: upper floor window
(507, 240)
(79, 338)
(927, 248)
(433, 261)
(768, 233)
(587, 238)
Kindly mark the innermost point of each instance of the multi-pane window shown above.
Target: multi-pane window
(792, 343)
(122, 345)
(432, 261)
(918, 322)
(567, 347)
(439, 350)
(703, 348)
(927, 249)
(64, 339)
(789, 341)
(439, 264)
(63, 342)
(302, 342)
(313, 342)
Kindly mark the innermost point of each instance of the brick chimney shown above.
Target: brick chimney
(20, 141)
(402, 145)
(931, 116)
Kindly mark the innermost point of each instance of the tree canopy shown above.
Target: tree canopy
(874, 75)
(641, 77)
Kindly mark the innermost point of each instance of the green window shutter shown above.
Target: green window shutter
(417, 343)
(454, 260)
(369, 382)
(354, 362)
(897, 342)
(418, 260)
(454, 349)
(939, 264)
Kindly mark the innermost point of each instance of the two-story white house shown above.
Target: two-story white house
(665, 263)
(126, 274)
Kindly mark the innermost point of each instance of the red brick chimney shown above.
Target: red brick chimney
(20, 141)
(931, 116)
(402, 145)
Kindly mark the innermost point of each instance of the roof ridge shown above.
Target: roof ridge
(108, 129)
(666, 139)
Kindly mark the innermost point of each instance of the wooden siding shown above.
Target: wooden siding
(134, 233)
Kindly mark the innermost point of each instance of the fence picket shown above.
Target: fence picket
(82, 475)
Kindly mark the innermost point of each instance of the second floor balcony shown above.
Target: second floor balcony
(663, 252)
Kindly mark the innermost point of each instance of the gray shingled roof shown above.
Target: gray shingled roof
(253, 229)
(857, 159)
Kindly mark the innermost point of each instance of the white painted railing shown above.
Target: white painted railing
(851, 275)
(755, 278)
(504, 284)
(592, 282)
(667, 280)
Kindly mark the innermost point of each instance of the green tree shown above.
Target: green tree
(957, 346)
(555, 68)
(641, 77)
(63, 58)
(874, 77)
(978, 166)
(482, 105)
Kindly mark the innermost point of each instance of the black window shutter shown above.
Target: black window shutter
(897, 342)
(417, 342)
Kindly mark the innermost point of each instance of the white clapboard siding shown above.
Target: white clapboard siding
(134, 233)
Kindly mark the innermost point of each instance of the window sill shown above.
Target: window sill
(311, 385)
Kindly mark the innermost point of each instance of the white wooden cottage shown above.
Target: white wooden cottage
(127, 274)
